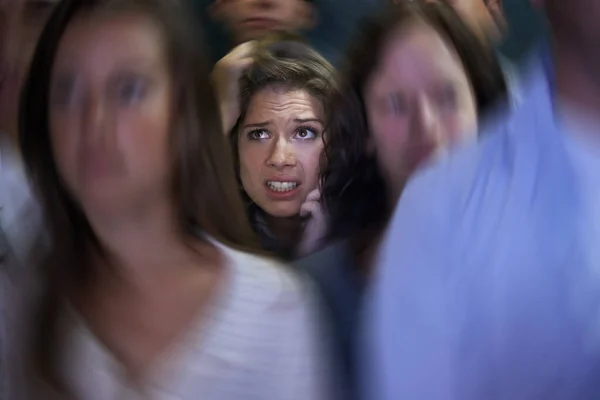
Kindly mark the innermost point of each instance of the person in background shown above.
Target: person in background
(247, 20)
(154, 288)
(416, 85)
(21, 239)
(278, 142)
(487, 285)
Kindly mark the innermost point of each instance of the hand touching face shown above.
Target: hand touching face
(280, 142)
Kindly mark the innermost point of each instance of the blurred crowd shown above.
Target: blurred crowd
(408, 215)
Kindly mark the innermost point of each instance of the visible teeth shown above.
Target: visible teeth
(282, 186)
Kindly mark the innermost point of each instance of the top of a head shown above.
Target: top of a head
(284, 59)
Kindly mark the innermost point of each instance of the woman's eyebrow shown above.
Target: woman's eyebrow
(305, 120)
(257, 125)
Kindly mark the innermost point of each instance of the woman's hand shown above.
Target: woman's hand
(315, 227)
(226, 80)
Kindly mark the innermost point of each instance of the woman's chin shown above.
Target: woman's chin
(281, 211)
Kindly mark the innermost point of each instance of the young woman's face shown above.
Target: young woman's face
(111, 103)
(280, 143)
(419, 102)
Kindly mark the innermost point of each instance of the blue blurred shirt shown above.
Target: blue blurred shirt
(487, 288)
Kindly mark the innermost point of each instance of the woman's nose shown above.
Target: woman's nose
(425, 121)
(282, 155)
(94, 118)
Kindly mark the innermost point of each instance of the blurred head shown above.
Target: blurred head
(252, 19)
(21, 23)
(117, 121)
(413, 88)
(118, 115)
(485, 17)
(278, 141)
(419, 101)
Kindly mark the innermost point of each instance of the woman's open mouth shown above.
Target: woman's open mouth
(282, 186)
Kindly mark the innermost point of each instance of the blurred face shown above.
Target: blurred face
(20, 27)
(419, 102)
(251, 19)
(280, 143)
(110, 112)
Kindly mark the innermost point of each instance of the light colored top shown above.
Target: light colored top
(488, 287)
(261, 342)
(20, 247)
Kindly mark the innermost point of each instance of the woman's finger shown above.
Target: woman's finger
(315, 195)
(311, 208)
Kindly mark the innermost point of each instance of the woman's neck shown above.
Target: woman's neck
(139, 245)
(288, 230)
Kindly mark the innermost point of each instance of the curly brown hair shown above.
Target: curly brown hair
(283, 60)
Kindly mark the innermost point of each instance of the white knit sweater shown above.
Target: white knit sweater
(262, 342)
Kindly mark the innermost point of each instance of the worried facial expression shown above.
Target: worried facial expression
(280, 142)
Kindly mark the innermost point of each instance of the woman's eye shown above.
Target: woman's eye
(131, 90)
(447, 97)
(258, 134)
(305, 133)
(399, 104)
